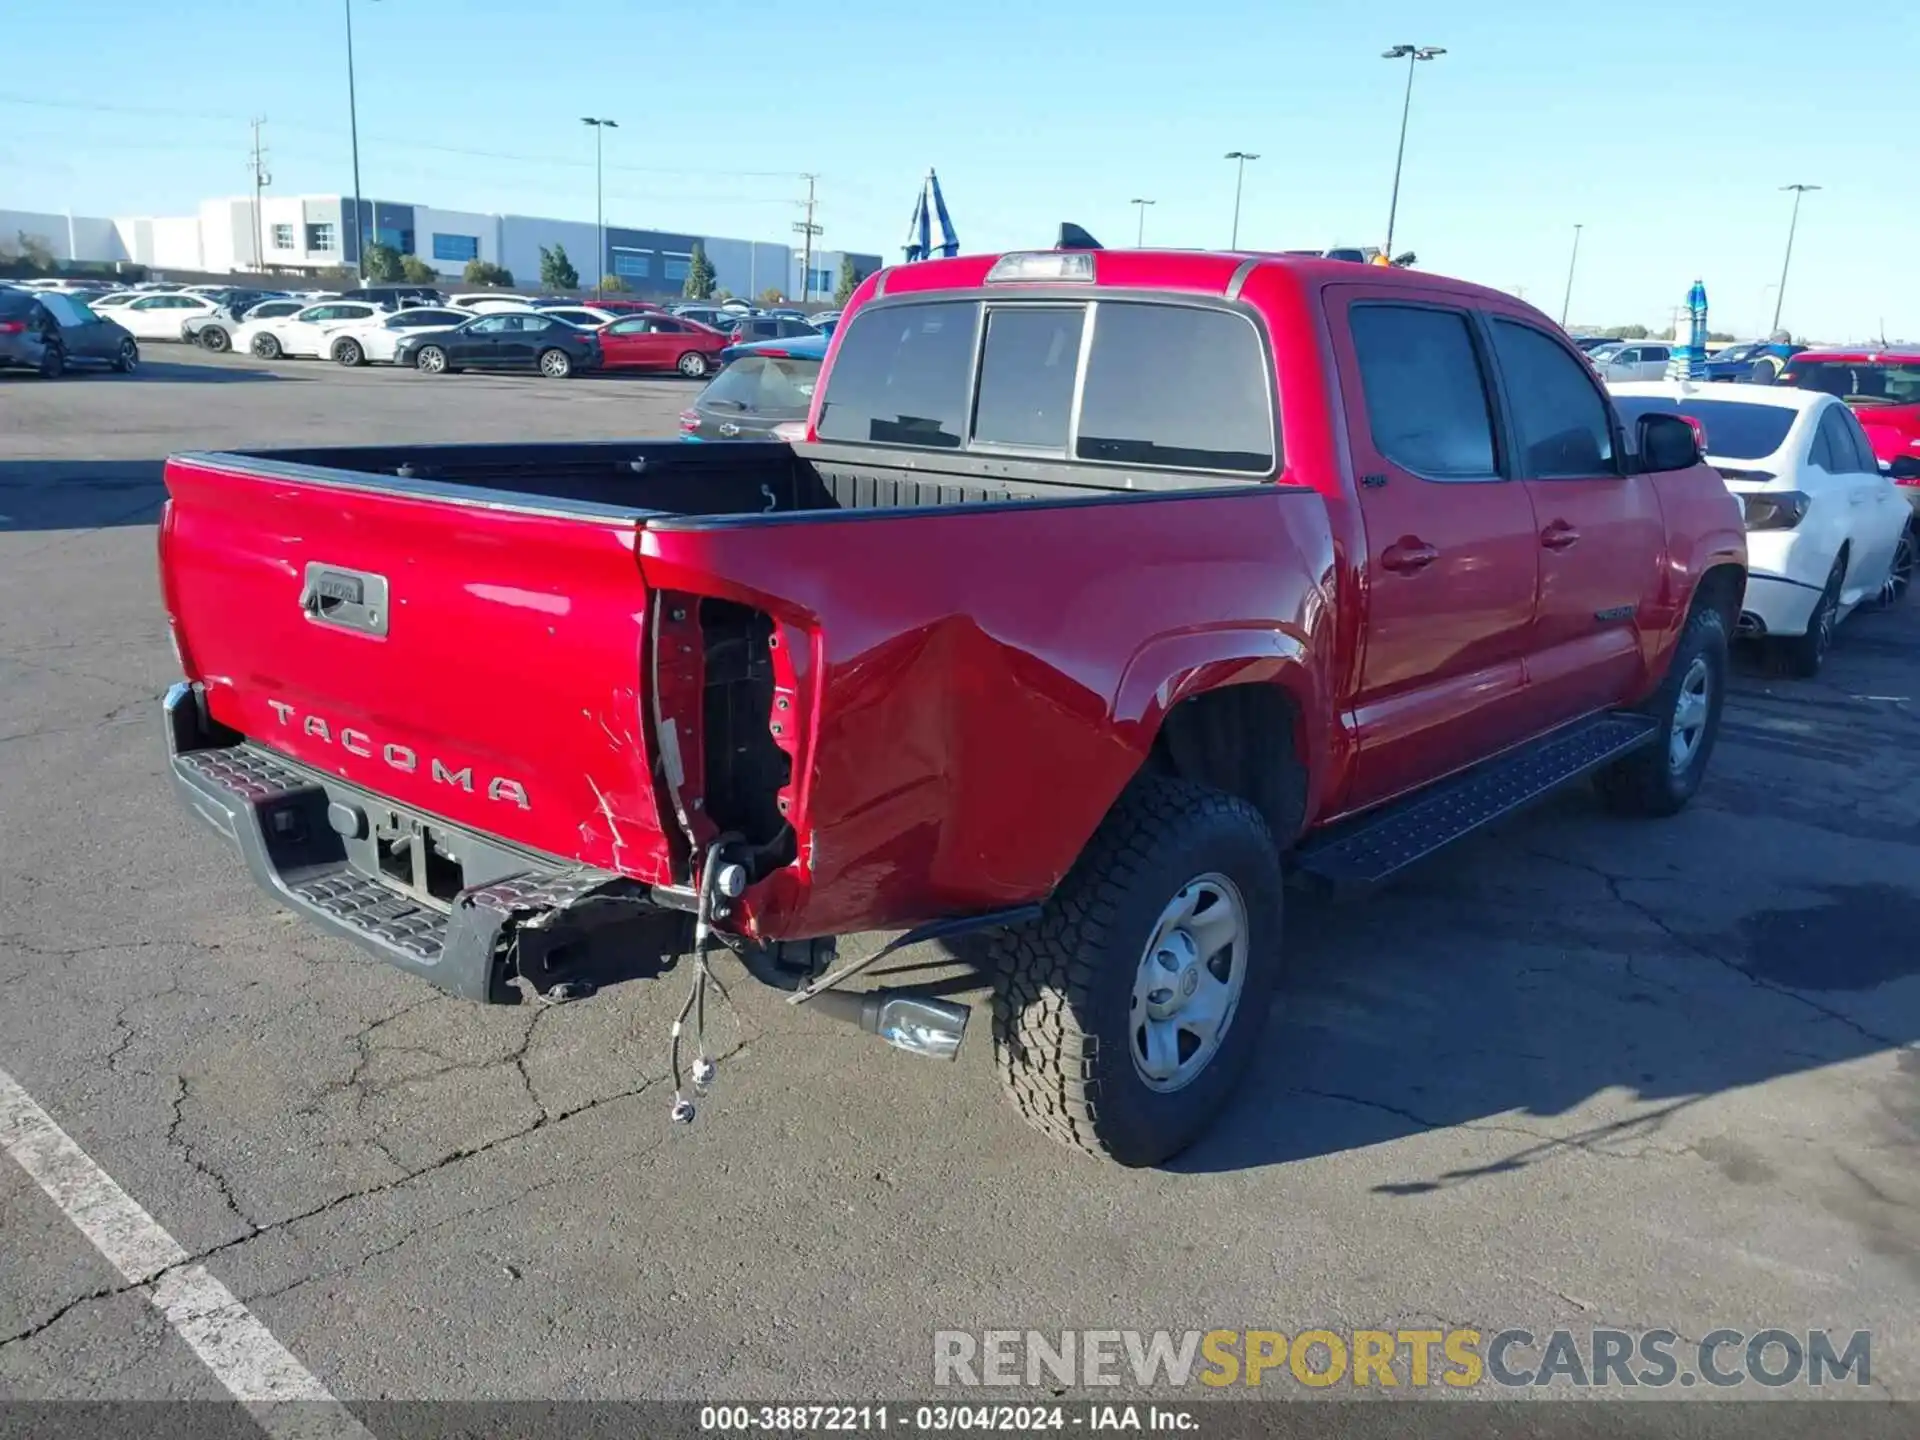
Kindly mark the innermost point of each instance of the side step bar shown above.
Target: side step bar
(1383, 842)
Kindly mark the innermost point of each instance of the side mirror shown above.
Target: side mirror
(1666, 442)
(1904, 468)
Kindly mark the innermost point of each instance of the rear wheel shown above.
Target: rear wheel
(1803, 655)
(694, 365)
(216, 339)
(1900, 574)
(128, 360)
(265, 347)
(1124, 1016)
(431, 360)
(1660, 778)
(348, 352)
(556, 364)
(53, 360)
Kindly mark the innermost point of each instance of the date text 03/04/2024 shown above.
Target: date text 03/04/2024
(977, 1419)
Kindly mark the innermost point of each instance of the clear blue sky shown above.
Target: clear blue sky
(1665, 128)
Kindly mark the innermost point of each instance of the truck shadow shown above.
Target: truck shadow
(1511, 990)
(79, 494)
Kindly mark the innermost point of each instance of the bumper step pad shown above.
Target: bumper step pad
(1383, 842)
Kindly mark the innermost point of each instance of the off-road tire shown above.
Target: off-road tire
(1645, 783)
(1063, 983)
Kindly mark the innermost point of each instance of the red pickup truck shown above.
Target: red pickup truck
(1106, 587)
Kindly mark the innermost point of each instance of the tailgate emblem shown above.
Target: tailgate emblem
(403, 758)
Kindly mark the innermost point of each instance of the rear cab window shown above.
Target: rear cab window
(1164, 384)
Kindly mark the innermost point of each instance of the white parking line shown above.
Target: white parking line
(281, 1394)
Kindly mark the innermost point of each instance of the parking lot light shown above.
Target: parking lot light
(1240, 157)
(1412, 54)
(600, 128)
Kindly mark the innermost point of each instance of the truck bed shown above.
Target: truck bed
(602, 657)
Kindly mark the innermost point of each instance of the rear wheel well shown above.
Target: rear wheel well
(1243, 740)
(1722, 588)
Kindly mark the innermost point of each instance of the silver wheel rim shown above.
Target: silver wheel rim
(554, 364)
(263, 349)
(431, 361)
(1900, 573)
(1188, 983)
(348, 354)
(1827, 617)
(1690, 709)
(691, 366)
(129, 356)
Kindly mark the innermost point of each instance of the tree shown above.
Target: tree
(416, 271)
(772, 296)
(485, 272)
(612, 284)
(381, 263)
(340, 274)
(700, 274)
(35, 251)
(849, 280)
(556, 270)
(721, 294)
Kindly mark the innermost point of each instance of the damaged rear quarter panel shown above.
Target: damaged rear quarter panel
(965, 673)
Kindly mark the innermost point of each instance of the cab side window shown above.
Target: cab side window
(1425, 392)
(1559, 417)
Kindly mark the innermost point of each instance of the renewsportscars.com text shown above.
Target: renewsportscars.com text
(1515, 1358)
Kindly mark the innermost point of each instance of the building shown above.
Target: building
(306, 234)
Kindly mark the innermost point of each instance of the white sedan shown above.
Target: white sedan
(1826, 530)
(376, 340)
(587, 317)
(162, 317)
(307, 332)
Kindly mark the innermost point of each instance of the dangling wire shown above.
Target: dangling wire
(704, 1068)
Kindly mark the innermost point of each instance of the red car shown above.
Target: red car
(661, 342)
(1883, 389)
(1105, 587)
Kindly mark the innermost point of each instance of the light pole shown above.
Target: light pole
(1780, 296)
(1566, 302)
(353, 130)
(1411, 54)
(1140, 231)
(1240, 157)
(600, 128)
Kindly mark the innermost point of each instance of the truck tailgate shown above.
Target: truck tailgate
(477, 663)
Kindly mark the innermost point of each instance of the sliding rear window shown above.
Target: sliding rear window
(1161, 385)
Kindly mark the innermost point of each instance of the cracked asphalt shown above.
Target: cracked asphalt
(1579, 1072)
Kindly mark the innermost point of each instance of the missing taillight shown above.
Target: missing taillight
(746, 767)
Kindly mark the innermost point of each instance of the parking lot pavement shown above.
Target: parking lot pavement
(1580, 1072)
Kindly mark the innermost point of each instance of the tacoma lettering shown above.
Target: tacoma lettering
(502, 789)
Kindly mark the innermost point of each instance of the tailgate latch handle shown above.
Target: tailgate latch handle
(349, 599)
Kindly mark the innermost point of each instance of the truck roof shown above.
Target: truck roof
(1203, 272)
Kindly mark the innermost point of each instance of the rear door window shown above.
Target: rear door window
(1426, 398)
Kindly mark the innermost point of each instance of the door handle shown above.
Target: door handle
(1559, 535)
(1407, 555)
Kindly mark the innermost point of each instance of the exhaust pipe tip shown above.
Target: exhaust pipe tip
(917, 1024)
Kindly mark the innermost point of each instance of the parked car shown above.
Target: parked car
(662, 342)
(1041, 633)
(163, 316)
(720, 317)
(50, 331)
(587, 317)
(524, 340)
(760, 388)
(215, 332)
(487, 300)
(1760, 360)
(1590, 343)
(768, 327)
(395, 296)
(1826, 531)
(306, 333)
(629, 307)
(377, 340)
(1634, 360)
(1883, 389)
(113, 299)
